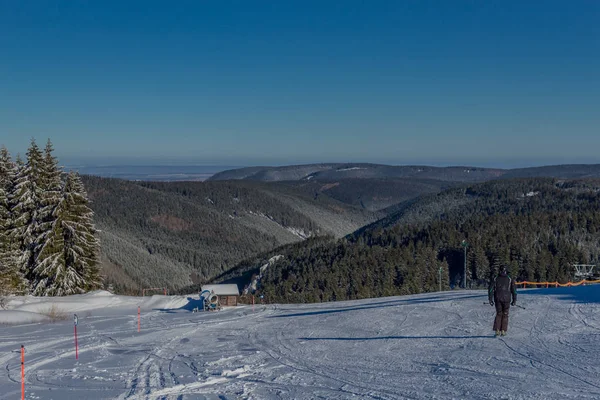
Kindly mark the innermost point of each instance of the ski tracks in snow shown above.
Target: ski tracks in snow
(158, 374)
(432, 346)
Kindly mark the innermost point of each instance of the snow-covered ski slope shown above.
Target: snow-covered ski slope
(430, 346)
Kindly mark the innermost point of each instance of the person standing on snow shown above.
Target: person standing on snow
(501, 290)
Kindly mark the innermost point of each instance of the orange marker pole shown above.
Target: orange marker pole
(139, 317)
(22, 372)
(252, 303)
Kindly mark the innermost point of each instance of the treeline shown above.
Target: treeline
(48, 244)
(538, 228)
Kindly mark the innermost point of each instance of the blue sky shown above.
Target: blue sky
(504, 83)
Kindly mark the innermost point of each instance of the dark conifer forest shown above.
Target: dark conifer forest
(538, 228)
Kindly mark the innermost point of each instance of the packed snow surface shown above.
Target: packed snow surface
(429, 346)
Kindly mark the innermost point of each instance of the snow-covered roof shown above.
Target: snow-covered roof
(223, 290)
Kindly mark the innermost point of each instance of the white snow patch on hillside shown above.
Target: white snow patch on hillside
(301, 233)
(261, 214)
(251, 288)
(428, 346)
(528, 194)
(350, 169)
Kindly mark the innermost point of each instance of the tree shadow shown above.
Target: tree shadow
(358, 339)
(384, 304)
(577, 294)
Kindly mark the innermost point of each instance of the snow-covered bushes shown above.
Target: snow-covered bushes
(54, 313)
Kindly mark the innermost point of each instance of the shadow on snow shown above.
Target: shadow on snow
(383, 304)
(191, 304)
(577, 294)
(396, 337)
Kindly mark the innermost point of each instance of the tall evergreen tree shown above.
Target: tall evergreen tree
(51, 173)
(6, 166)
(51, 184)
(68, 261)
(11, 280)
(5, 182)
(26, 205)
(479, 265)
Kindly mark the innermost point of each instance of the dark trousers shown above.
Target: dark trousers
(501, 321)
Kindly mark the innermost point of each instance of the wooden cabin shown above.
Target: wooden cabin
(228, 294)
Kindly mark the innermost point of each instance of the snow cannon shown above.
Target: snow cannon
(210, 300)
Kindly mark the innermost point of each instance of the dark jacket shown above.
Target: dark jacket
(502, 288)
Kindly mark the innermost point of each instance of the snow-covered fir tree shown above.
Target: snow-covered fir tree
(68, 260)
(51, 184)
(48, 243)
(11, 279)
(5, 182)
(26, 204)
(51, 175)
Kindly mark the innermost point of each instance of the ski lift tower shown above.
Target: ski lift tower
(583, 271)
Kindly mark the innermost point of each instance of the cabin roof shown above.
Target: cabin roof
(223, 290)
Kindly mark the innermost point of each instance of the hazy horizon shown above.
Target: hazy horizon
(108, 163)
(242, 162)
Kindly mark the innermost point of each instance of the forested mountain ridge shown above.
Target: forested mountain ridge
(565, 171)
(175, 234)
(372, 194)
(537, 227)
(339, 171)
(385, 188)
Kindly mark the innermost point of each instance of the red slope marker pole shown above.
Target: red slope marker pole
(252, 303)
(139, 318)
(76, 345)
(22, 372)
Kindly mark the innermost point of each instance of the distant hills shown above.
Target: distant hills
(384, 188)
(328, 172)
(566, 171)
(161, 173)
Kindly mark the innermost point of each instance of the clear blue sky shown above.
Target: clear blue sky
(502, 83)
